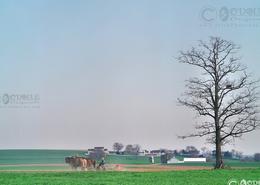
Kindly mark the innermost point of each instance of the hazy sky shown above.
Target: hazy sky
(106, 71)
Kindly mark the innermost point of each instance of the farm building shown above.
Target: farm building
(97, 149)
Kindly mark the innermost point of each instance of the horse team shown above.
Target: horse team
(81, 162)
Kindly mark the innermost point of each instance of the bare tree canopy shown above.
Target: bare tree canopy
(224, 94)
(117, 147)
(132, 149)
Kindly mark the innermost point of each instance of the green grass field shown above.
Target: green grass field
(57, 157)
(36, 156)
(201, 177)
(47, 167)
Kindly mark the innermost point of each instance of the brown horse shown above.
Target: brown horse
(82, 162)
(90, 163)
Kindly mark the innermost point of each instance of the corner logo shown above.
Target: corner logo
(233, 182)
(243, 182)
(208, 14)
(223, 14)
(19, 100)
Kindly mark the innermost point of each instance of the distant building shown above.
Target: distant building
(161, 152)
(112, 152)
(173, 160)
(143, 152)
(97, 149)
(156, 152)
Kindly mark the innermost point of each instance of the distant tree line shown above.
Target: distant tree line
(189, 151)
(130, 149)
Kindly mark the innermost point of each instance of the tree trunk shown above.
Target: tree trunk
(219, 162)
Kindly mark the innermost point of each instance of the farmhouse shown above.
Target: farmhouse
(97, 149)
(143, 152)
(156, 152)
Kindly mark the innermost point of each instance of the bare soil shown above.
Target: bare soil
(120, 167)
(155, 168)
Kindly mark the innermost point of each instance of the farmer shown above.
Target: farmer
(101, 164)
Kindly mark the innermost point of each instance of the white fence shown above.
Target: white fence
(194, 159)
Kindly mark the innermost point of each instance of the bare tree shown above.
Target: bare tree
(117, 147)
(132, 149)
(192, 151)
(224, 95)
